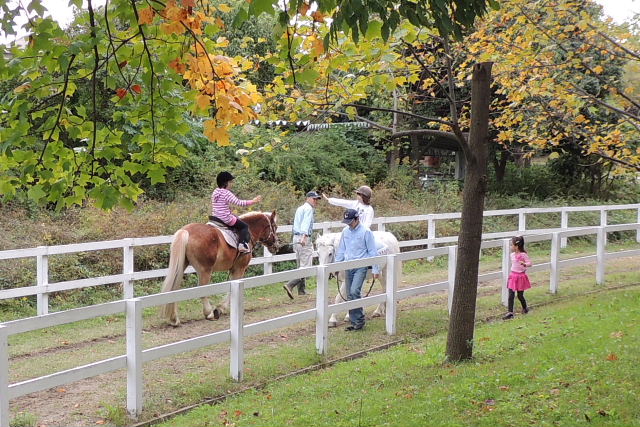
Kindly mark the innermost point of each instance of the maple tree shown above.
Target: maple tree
(145, 65)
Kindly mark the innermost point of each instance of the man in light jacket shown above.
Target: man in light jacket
(356, 242)
(302, 245)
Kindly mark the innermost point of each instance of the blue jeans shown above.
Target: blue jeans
(355, 280)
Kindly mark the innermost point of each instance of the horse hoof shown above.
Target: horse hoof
(216, 314)
(175, 324)
(376, 315)
(333, 324)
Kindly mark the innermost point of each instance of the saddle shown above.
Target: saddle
(230, 236)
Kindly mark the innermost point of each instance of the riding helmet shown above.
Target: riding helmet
(364, 191)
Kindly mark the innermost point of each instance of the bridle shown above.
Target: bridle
(271, 241)
(331, 260)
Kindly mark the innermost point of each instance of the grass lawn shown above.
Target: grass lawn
(568, 364)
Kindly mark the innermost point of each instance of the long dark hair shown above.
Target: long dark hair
(519, 242)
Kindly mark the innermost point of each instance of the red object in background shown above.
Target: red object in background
(431, 161)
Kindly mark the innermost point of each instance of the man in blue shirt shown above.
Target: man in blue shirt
(302, 245)
(356, 242)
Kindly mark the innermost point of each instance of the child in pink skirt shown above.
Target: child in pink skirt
(518, 280)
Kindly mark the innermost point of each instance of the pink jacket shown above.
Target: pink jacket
(517, 258)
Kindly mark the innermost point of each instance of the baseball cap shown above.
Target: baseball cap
(314, 194)
(350, 215)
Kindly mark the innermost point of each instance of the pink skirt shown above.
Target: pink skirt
(519, 281)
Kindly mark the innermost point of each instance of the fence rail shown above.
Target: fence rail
(132, 308)
(44, 287)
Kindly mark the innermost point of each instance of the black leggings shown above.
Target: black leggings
(240, 227)
(520, 297)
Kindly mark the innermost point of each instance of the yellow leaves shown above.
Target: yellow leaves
(598, 69)
(203, 101)
(224, 8)
(145, 16)
(317, 47)
(222, 42)
(216, 134)
(22, 88)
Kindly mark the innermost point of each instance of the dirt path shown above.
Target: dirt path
(95, 400)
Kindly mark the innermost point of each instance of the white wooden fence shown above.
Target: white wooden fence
(135, 356)
(43, 287)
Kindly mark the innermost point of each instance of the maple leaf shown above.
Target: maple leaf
(136, 88)
(303, 9)
(189, 3)
(203, 101)
(121, 92)
(123, 64)
(145, 16)
(217, 134)
(224, 8)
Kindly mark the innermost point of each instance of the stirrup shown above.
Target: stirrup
(244, 248)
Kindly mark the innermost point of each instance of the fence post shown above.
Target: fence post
(431, 234)
(42, 279)
(4, 378)
(237, 329)
(564, 224)
(603, 222)
(638, 231)
(393, 270)
(381, 225)
(506, 270)
(522, 221)
(451, 274)
(268, 267)
(127, 268)
(135, 380)
(325, 228)
(322, 308)
(555, 263)
(600, 252)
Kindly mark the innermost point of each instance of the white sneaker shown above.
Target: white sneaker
(243, 248)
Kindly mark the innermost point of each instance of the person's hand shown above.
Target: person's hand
(522, 263)
(303, 242)
(257, 199)
(376, 276)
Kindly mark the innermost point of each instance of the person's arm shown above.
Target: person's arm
(370, 241)
(526, 261)
(343, 203)
(341, 249)
(232, 199)
(306, 223)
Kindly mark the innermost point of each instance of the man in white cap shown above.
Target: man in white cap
(356, 242)
(302, 245)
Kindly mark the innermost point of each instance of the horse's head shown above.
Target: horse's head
(263, 229)
(327, 245)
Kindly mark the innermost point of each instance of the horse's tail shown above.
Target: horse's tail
(177, 261)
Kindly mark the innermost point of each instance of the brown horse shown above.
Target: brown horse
(204, 247)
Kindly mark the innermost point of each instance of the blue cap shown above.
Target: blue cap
(314, 195)
(350, 215)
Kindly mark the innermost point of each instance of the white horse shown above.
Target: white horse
(327, 245)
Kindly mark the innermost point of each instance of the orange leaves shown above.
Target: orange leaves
(303, 9)
(178, 66)
(145, 16)
(121, 92)
(137, 89)
(216, 134)
(612, 357)
(203, 102)
(189, 3)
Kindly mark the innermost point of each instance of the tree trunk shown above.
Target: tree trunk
(463, 310)
(500, 166)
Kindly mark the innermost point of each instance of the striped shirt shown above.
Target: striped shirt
(221, 198)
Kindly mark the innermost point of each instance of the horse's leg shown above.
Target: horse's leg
(382, 307)
(333, 321)
(204, 278)
(235, 273)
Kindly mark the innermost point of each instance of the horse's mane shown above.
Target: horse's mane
(327, 239)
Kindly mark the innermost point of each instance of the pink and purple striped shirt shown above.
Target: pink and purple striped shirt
(221, 198)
